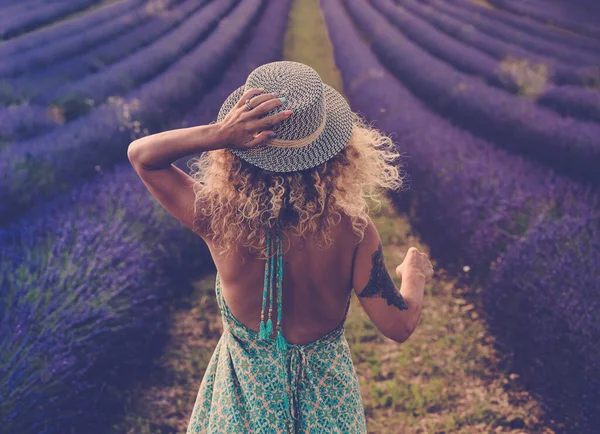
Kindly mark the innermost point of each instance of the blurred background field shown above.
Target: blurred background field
(107, 309)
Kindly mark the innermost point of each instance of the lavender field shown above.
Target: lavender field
(495, 105)
(89, 258)
(494, 200)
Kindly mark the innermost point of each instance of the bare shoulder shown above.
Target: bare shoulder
(353, 238)
(348, 229)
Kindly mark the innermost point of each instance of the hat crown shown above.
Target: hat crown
(303, 89)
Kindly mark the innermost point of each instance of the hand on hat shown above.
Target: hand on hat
(241, 126)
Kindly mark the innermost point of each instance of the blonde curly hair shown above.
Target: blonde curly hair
(242, 202)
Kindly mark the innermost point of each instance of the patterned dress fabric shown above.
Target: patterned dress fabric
(253, 386)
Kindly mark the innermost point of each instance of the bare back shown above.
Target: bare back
(316, 284)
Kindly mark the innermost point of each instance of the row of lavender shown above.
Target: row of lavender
(66, 29)
(56, 50)
(528, 234)
(517, 50)
(21, 121)
(148, 62)
(58, 84)
(575, 90)
(496, 71)
(527, 25)
(101, 55)
(84, 276)
(565, 52)
(497, 39)
(27, 18)
(538, 55)
(39, 167)
(570, 146)
(580, 23)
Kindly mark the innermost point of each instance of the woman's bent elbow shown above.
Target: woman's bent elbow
(400, 334)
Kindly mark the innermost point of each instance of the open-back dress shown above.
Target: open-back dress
(258, 384)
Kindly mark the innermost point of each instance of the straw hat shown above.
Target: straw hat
(319, 128)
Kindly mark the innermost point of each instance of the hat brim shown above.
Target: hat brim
(333, 138)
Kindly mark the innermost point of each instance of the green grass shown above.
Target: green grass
(307, 41)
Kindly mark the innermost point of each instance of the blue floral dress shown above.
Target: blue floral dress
(258, 384)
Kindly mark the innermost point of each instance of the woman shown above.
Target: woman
(291, 165)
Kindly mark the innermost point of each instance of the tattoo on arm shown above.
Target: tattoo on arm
(381, 284)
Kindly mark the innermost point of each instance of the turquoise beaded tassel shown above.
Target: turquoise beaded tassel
(262, 333)
(266, 328)
(270, 315)
(281, 343)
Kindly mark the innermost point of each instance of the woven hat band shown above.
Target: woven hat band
(279, 143)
